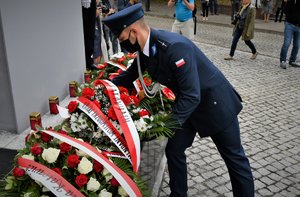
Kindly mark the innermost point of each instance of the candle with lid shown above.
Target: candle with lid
(35, 119)
(73, 88)
(87, 76)
(53, 102)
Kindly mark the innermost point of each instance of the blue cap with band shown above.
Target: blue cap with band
(119, 21)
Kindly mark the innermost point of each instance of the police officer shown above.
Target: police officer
(206, 103)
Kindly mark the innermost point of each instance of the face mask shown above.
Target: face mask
(126, 44)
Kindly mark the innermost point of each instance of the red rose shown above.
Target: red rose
(73, 161)
(46, 137)
(81, 180)
(126, 99)
(62, 132)
(114, 182)
(36, 149)
(97, 104)
(72, 106)
(64, 148)
(111, 113)
(135, 100)
(88, 93)
(18, 172)
(58, 171)
(98, 167)
(143, 113)
(147, 81)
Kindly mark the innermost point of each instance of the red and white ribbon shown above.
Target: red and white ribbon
(49, 178)
(124, 180)
(102, 121)
(126, 123)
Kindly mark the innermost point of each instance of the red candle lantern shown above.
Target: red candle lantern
(53, 102)
(87, 76)
(73, 88)
(35, 119)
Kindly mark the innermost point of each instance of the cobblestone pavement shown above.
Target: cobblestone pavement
(270, 120)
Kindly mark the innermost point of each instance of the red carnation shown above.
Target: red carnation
(114, 182)
(72, 106)
(46, 137)
(147, 81)
(135, 100)
(168, 93)
(126, 99)
(64, 148)
(58, 171)
(123, 90)
(73, 161)
(36, 149)
(143, 113)
(18, 172)
(120, 71)
(111, 113)
(98, 167)
(81, 180)
(88, 92)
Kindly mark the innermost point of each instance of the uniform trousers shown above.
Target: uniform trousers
(229, 145)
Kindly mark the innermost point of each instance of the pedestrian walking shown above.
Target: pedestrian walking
(205, 6)
(291, 32)
(183, 23)
(266, 9)
(206, 103)
(244, 26)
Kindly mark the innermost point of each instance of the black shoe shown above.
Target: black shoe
(294, 64)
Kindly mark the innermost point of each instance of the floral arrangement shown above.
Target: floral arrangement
(151, 120)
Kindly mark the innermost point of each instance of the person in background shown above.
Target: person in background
(205, 5)
(183, 23)
(213, 5)
(291, 32)
(235, 7)
(266, 9)
(97, 55)
(244, 26)
(88, 19)
(279, 6)
(206, 103)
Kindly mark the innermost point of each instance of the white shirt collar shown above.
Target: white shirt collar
(146, 47)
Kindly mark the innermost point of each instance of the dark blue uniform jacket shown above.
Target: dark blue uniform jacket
(204, 97)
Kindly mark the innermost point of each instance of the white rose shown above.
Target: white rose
(121, 191)
(50, 155)
(93, 185)
(85, 166)
(105, 193)
(106, 174)
(30, 156)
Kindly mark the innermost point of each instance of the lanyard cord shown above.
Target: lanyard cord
(156, 87)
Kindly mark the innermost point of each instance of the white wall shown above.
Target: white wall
(44, 47)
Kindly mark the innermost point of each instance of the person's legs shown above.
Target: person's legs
(187, 29)
(176, 159)
(251, 46)
(229, 145)
(288, 34)
(296, 43)
(236, 36)
(176, 27)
